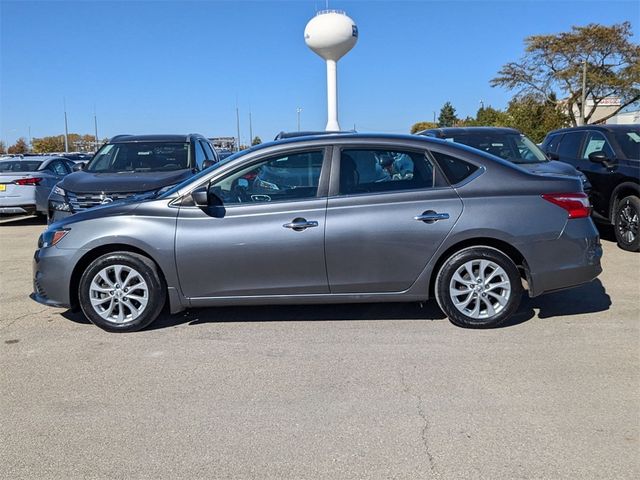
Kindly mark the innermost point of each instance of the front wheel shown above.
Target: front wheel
(478, 287)
(626, 223)
(121, 292)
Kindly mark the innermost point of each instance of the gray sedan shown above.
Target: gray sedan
(25, 183)
(328, 219)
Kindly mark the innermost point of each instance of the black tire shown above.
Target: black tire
(625, 223)
(484, 295)
(155, 292)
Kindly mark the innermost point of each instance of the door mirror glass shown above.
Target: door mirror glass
(207, 164)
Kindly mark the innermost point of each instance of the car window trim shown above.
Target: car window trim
(323, 181)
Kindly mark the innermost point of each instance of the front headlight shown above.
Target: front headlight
(51, 237)
(58, 191)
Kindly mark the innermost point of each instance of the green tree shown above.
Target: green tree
(447, 117)
(419, 126)
(535, 117)
(3, 147)
(19, 147)
(490, 117)
(552, 66)
(48, 144)
(256, 141)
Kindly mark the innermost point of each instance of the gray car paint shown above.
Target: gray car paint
(375, 250)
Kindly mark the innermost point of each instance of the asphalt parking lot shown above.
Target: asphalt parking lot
(356, 391)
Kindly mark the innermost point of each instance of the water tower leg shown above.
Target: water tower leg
(332, 97)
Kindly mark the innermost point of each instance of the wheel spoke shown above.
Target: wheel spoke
(501, 300)
(100, 301)
(491, 286)
(490, 310)
(105, 278)
(465, 302)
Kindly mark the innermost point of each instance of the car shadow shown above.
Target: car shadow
(589, 298)
(13, 220)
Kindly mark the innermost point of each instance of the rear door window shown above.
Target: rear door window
(200, 155)
(570, 144)
(455, 169)
(381, 170)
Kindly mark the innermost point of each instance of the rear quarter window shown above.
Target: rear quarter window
(455, 169)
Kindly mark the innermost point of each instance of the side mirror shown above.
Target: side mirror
(598, 157)
(601, 158)
(207, 164)
(79, 166)
(200, 197)
(207, 200)
(553, 156)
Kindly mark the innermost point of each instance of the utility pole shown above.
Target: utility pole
(584, 91)
(298, 111)
(66, 129)
(238, 127)
(95, 126)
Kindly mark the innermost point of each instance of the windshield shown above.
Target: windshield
(629, 142)
(19, 166)
(206, 171)
(140, 157)
(513, 147)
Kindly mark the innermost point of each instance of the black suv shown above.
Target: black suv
(609, 155)
(129, 165)
(509, 144)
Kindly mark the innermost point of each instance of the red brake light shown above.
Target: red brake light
(576, 204)
(28, 181)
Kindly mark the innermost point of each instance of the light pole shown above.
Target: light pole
(584, 90)
(298, 111)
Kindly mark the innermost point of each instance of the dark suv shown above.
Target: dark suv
(129, 165)
(509, 144)
(609, 155)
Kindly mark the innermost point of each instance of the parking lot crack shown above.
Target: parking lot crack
(422, 413)
(11, 321)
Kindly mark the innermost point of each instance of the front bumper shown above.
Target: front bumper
(52, 270)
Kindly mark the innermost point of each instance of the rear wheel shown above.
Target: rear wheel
(626, 223)
(478, 287)
(121, 292)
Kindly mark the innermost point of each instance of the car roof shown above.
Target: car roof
(284, 134)
(602, 128)
(34, 158)
(446, 132)
(154, 138)
(324, 139)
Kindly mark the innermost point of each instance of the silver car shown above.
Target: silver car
(25, 183)
(328, 219)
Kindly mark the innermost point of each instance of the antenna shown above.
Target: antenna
(331, 34)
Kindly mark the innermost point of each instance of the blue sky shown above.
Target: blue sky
(179, 66)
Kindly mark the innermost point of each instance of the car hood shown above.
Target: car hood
(115, 209)
(93, 182)
(553, 166)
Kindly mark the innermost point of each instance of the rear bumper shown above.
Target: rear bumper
(18, 209)
(571, 260)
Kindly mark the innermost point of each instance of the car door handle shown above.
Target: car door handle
(299, 224)
(430, 216)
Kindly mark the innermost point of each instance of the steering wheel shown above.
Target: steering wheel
(239, 192)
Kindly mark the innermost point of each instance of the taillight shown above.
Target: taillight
(28, 181)
(576, 204)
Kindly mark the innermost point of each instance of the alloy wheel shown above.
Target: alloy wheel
(480, 289)
(119, 294)
(628, 223)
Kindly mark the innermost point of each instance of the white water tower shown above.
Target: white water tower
(331, 34)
